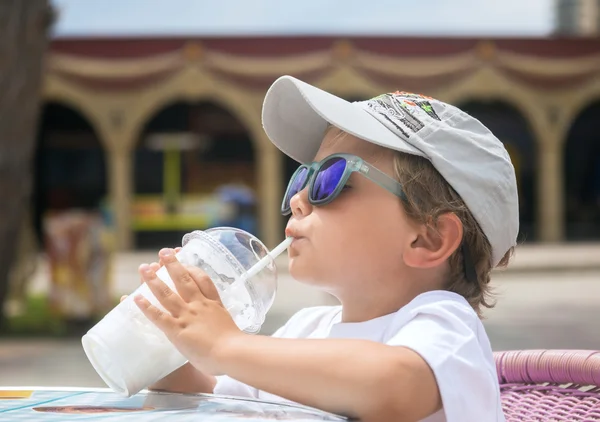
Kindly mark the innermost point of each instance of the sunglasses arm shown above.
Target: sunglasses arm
(377, 176)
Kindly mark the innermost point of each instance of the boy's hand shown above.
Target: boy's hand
(155, 266)
(195, 320)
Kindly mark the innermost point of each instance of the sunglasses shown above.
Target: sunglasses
(326, 179)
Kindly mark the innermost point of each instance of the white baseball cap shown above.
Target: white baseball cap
(471, 159)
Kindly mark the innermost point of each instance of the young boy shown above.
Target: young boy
(401, 208)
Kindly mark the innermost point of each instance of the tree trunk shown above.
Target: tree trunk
(24, 28)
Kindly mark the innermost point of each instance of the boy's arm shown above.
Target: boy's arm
(357, 378)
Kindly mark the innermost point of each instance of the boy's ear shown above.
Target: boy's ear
(435, 243)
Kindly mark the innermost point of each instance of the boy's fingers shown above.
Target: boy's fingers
(160, 260)
(206, 285)
(161, 319)
(141, 270)
(122, 298)
(167, 297)
(184, 283)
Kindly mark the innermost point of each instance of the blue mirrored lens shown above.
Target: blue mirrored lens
(328, 178)
(296, 184)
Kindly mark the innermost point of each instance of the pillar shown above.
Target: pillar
(269, 163)
(550, 190)
(120, 191)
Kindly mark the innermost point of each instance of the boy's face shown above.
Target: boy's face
(358, 239)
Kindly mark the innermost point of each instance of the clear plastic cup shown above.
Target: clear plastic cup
(130, 353)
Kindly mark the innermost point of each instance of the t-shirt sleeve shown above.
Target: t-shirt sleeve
(446, 336)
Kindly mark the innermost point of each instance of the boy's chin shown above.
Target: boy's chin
(302, 271)
(297, 268)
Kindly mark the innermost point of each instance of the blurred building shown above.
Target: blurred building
(577, 17)
(153, 131)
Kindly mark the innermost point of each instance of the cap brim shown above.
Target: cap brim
(295, 116)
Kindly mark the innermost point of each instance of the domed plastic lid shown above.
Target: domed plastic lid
(244, 251)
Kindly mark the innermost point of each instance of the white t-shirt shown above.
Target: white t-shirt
(439, 325)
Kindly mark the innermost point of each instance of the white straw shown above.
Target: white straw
(256, 268)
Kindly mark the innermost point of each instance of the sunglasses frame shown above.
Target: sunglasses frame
(354, 164)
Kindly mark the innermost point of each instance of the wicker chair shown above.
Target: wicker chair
(550, 385)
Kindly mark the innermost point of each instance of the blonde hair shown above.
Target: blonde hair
(430, 196)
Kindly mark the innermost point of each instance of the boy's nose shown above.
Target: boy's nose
(300, 205)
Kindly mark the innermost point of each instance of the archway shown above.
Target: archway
(512, 128)
(71, 216)
(194, 169)
(582, 176)
(70, 165)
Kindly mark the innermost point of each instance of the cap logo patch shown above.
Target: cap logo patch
(401, 111)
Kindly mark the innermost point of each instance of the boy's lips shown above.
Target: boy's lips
(291, 232)
(299, 239)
